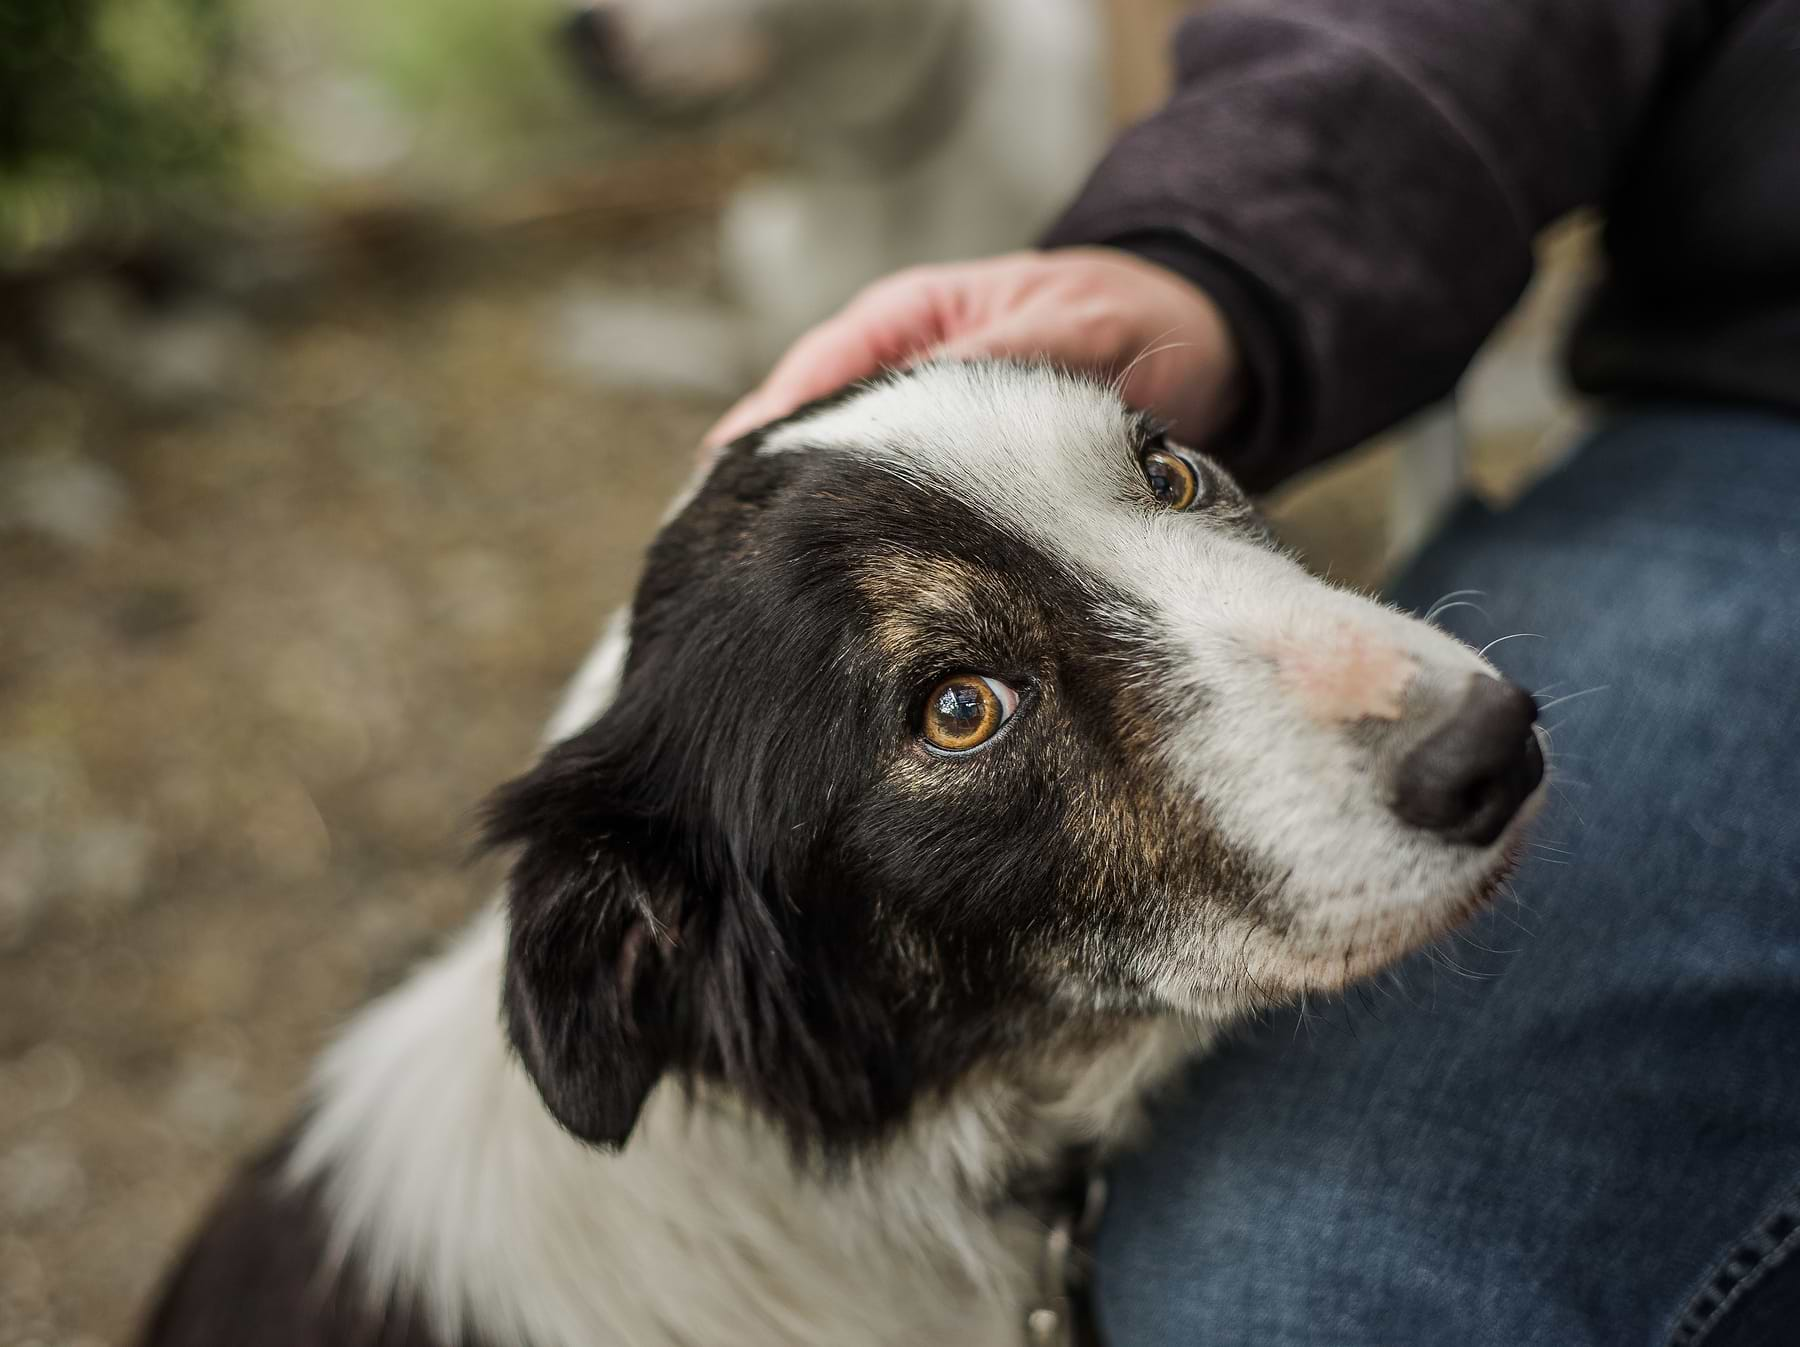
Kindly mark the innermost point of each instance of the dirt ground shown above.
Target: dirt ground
(258, 661)
(256, 667)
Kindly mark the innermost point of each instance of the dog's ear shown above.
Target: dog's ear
(592, 956)
(648, 937)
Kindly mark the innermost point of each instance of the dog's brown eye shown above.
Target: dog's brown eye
(1175, 480)
(966, 710)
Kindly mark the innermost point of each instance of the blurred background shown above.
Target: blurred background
(348, 354)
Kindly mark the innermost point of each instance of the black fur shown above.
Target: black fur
(259, 1275)
(727, 877)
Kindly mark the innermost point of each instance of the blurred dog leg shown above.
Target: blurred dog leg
(625, 339)
(1429, 479)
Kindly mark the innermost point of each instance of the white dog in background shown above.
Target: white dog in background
(909, 131)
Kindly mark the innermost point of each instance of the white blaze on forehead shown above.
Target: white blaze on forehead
(1047, 457)
(1041, 454)
(956, 424)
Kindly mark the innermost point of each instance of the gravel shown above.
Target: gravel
(275, 613)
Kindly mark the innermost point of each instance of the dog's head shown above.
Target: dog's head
(813, 64)
(963, 709)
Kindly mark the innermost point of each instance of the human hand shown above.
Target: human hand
(1098, 310)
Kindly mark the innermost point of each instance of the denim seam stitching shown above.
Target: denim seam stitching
(1698, 1317)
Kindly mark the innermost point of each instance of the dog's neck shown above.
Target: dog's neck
(444, 1180)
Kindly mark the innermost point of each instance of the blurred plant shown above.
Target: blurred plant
(108, 107)
(485, 84)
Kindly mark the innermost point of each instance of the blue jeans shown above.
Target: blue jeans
(1580, 1123)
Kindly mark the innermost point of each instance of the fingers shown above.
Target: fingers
(883, 327)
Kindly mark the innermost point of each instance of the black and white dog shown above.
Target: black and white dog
(969, 756)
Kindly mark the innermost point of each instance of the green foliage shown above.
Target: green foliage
(484, 76)
(113, 101)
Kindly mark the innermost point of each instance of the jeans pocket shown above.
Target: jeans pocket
(1751, 1296)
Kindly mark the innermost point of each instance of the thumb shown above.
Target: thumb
(883, 327)
(826, 358)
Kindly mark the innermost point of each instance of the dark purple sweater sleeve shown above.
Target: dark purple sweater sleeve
(1358, 182)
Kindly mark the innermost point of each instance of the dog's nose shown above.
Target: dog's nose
(1468, 777)
(591, 36)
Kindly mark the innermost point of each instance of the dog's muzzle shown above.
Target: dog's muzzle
(1453, 750)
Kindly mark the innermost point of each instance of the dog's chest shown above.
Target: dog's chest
(436, 1163)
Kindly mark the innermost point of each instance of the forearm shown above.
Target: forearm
(1365, 178)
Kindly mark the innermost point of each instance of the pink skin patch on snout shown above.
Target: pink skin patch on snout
(1345, 676)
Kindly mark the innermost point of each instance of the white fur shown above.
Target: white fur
(597, 681)
(445, 1176)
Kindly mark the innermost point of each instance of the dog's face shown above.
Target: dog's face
(833, 61)
(963, 710)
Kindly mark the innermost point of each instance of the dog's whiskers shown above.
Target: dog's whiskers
(1573, 695)
(1501, 640)
(1439, 954)
(1487, 949)
(1154, 347)
(1451, 607)
(1563, 796)
(1443, 600)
